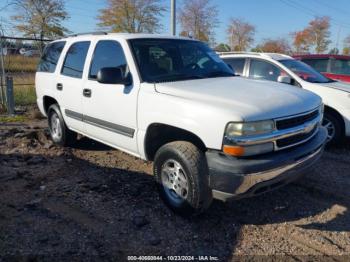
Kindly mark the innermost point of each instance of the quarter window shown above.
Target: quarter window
(75, 59)
(264, 71)
(107, 54)
(50, 57)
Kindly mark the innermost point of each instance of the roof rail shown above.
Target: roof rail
(238, 53)
(89, 33)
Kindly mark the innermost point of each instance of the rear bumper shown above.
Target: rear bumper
(234, 178)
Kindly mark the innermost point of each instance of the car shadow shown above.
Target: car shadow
(87, 144)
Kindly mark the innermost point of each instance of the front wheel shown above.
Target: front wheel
(181, 172)
(334, 127)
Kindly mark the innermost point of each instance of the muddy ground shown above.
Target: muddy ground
(92, 202)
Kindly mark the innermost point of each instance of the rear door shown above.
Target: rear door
(69, 84)
(110, 109)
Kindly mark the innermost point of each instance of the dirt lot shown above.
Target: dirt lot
(97, 203)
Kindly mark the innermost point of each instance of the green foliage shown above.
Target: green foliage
(132, 16)
(40, 19)
(222, 48)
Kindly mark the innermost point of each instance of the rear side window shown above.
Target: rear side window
(237, 64)
(75, 59)
(50, 57)
(321, 65)
(107, 53)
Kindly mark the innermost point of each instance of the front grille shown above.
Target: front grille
(294, 140)
(296, 121)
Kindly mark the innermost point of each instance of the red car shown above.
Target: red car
(336, 67)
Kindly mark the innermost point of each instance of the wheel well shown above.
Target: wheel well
(48, 101)
(337, 114)
(158, 135)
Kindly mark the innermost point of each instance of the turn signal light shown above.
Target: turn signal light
(233, 150)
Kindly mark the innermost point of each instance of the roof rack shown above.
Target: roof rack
(89, 33)
(239, 53)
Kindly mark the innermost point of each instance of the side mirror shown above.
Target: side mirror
(113, 75)
(284, 79)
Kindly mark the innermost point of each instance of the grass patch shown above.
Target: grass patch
(24, 95)
(24, 89)
(20, 63)
(12, 119)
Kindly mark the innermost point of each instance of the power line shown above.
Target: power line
(331, 7)
(311, 13)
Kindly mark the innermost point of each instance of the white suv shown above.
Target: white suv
(175, 102)
(285, 69)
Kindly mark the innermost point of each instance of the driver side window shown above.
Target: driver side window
(265, 71)
(108, 53)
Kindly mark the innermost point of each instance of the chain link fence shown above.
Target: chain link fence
(19, 58)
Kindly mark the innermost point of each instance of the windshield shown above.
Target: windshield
(305, 71)
(164, 60)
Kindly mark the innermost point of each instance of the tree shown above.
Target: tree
(334, 51)
(40, 19)
(241, 34)
(346, 49)
(320, 33)
(222, 48)
(274, 46)
(302, 41)
(198, 18)
(132, 16)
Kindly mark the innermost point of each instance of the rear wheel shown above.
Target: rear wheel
(181, 172)
(335, 129)
(59, 132)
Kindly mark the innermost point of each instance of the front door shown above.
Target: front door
(110, 109)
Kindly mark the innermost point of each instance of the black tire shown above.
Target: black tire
(67, 136)
(195, 170)
(337, 126)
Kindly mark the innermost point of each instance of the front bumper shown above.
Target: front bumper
(234, 178)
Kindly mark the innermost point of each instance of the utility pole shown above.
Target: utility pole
(173, 17)
(2, 66)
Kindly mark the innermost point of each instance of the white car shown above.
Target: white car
(285, 69)
(175, 102)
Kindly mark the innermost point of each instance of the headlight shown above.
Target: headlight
(249, 129)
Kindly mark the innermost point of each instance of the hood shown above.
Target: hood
(248, 100)
(338, 85)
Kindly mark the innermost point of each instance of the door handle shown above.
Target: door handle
(59, 86)
(87, 92)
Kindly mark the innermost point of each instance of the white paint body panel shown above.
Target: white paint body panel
(203, 107)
